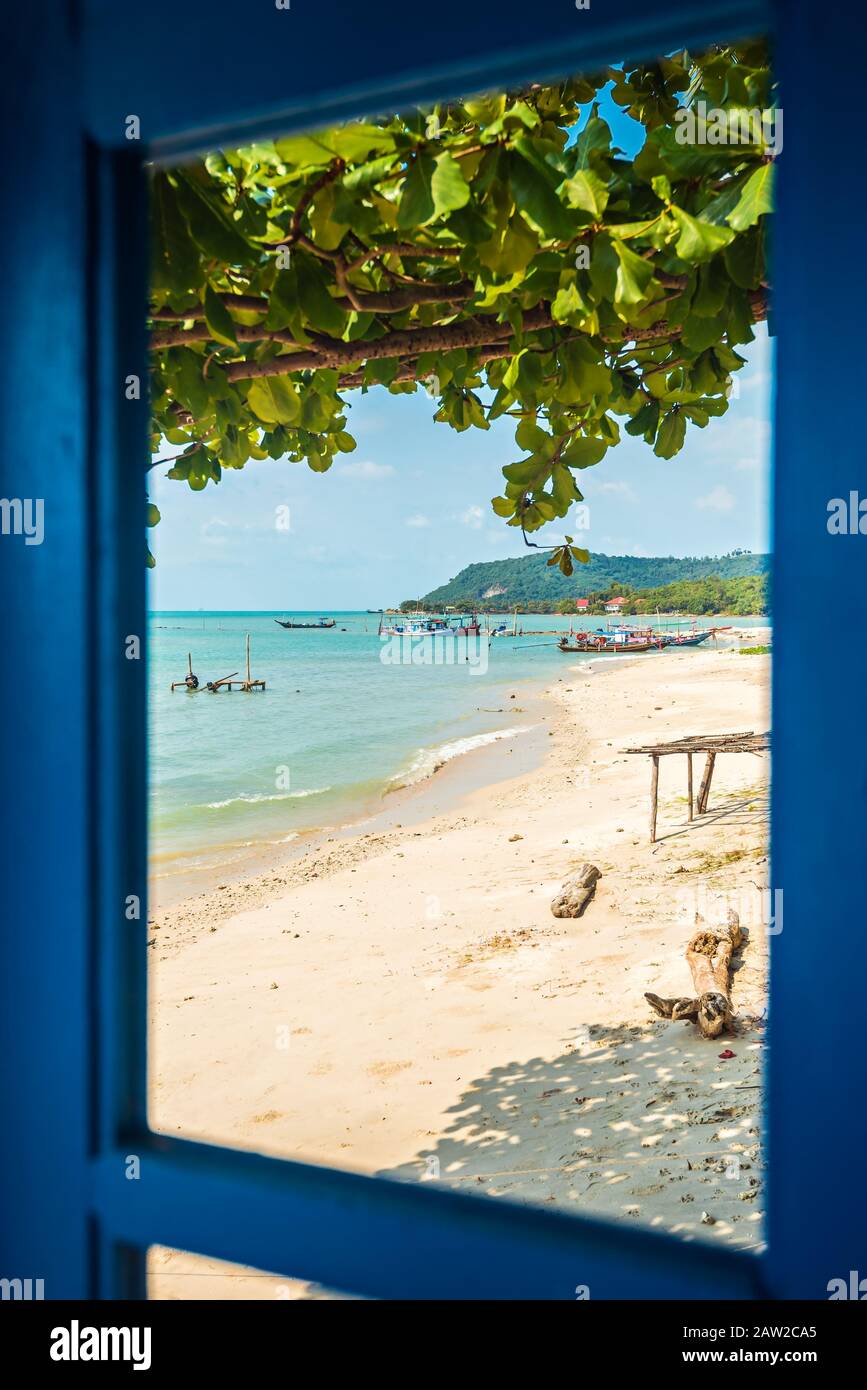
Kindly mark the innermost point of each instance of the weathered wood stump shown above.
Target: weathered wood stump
(576, 892)
(708, 955)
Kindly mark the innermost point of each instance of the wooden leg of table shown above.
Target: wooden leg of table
(689, 782)
(704, 789)
(654, 789)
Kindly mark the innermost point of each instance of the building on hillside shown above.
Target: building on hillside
(582, 604)
(614, 605)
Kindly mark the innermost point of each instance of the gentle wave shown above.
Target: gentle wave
(258, 797)
(427, 760)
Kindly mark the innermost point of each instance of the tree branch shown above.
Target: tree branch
(332, 352)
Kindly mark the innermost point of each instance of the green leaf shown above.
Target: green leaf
(358, 141)
(672, 433)
(210, 224)
(188, 383)
(284, 308)
(568, 305)
(563, 488)
(152, 514)
(175, 263)
(526, 473)
(219, 320)
(449, 188)
(583, 452)
(304, 151)
(698, 240)
(320, 309)
(633, 276)
(416, 200)
(274, 400)
(366, 175)
(503, 506)
(755, 200)
(587, 191)
(646, 419)
(531, 436)
(537, 200)
(745, 259)
(594, 142)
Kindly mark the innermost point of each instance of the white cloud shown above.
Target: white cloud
(417, 521)
(473, 517)
(619, 545)
(749, 464)
(215, 531)
(619, 489)
(365, 468)
(719, 499)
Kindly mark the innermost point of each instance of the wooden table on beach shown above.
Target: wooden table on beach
(711, 744)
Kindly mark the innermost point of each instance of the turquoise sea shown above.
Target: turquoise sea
(335, 728)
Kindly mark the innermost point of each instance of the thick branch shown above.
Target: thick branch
(409, 370)
(466, 333)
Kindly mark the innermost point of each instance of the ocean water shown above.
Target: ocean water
(335, 728)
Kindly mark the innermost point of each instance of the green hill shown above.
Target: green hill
(529, 582)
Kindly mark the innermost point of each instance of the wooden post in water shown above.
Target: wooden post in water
(689, 782)
(654, 790)
(248, 658)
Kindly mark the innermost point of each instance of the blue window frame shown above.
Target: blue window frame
(72, 718)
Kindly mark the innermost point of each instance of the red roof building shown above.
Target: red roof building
(582, 604)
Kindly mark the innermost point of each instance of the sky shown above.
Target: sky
(411, 506)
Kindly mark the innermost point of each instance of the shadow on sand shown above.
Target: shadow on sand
(642, 1122)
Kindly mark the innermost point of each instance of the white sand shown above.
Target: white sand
(404, 1003)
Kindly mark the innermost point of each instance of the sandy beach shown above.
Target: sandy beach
(399, 999)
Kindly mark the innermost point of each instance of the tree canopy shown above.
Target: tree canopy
(481, 251)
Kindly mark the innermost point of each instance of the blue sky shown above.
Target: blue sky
(411, 506)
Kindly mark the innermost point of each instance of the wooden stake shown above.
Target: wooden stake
(704, 789)
(654, 788)
(689, 782)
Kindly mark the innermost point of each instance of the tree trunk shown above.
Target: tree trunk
(576, 892)
(709, 956)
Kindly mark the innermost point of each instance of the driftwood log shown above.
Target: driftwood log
(708, 955)
(576, 892)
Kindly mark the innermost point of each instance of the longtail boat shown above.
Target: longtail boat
(689, 639)
(321, 623)
(600, 646)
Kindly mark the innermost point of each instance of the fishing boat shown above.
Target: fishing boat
(431, 625)
(601, 645)
(689, 639)
(320, 623)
